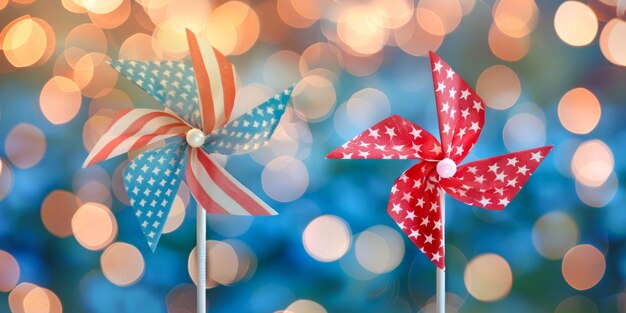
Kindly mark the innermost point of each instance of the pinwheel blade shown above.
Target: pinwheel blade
(461, 111)
(217, 191)
(492, 183)
(171, 83)
(216, 83)
(152, 180)
(391, 138)
(133, 129)
(251, 130)
(414, 206)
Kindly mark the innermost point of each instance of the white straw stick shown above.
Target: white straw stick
(201, 254)
(441, 274)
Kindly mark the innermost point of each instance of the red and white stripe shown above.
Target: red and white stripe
(215, 78)
(133, 129)
(218, 192)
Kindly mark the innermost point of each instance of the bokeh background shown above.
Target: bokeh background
(551, 72)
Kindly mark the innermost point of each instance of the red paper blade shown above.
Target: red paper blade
(492, 183)
(392, 138)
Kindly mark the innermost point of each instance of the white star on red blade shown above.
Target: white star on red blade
(414, 201)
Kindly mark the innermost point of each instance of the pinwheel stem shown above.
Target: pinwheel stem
(441, 274)
(201, 254)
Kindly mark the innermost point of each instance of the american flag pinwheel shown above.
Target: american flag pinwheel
(414, 203)
(198, 96)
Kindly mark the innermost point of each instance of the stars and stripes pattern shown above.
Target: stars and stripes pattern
(251, 130)
(414, 202)
(152, 180)
(198, 94)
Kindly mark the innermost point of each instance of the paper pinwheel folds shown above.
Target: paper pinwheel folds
(199, 97)
(414, 201)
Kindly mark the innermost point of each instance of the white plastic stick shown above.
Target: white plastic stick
(201, 254)
(441, 274)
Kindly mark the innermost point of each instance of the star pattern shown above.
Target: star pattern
(151, 181)
(414, 203)
(419, 216)
(392, 138)
(459, 110)
(171, 83)
(251, 130)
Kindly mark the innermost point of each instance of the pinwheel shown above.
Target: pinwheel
(416, 202)
(199, 97)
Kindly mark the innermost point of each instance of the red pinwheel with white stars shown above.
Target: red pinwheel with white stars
(414, 201)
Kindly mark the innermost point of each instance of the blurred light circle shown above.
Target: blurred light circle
(94, 226)
(122, 264)
(117, 183)
(592, 163)
(60, 100)
(57, 211)
(93, 75)
(554, 234)
(27, 41)
(516, 18)
(612, 43)
(65, 63)
(583, 267)
(524, 131)
(25, 145)
(577, 304)
(29, 298)
(579, 111)
(101, 7)
(114, 18)
(6, 179)
(93, 129)
(499, 87)
(172, 38)
(363, 28)
(95, 191)
(506, 47)
(9, 271)
(285, 179)
(222, 264)
(379, 249)
(575, 23)
(140, 46)
(305, 306)
(327, 238)
(398, 12)
(314, 98)
(281, 69)
(320, 55)
(488, 277)
(598, 196)
(176, 216)
(367, 107)
(88, 37)
(468, 6)
(414, 39)
(74, 6)
(17, 295)
(295, 13)
(181, 299)
(449, 13)
(237, 19)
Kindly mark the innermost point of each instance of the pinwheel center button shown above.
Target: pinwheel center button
(195, 137)
(446, 168)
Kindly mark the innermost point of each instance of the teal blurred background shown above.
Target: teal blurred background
(551, 72)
